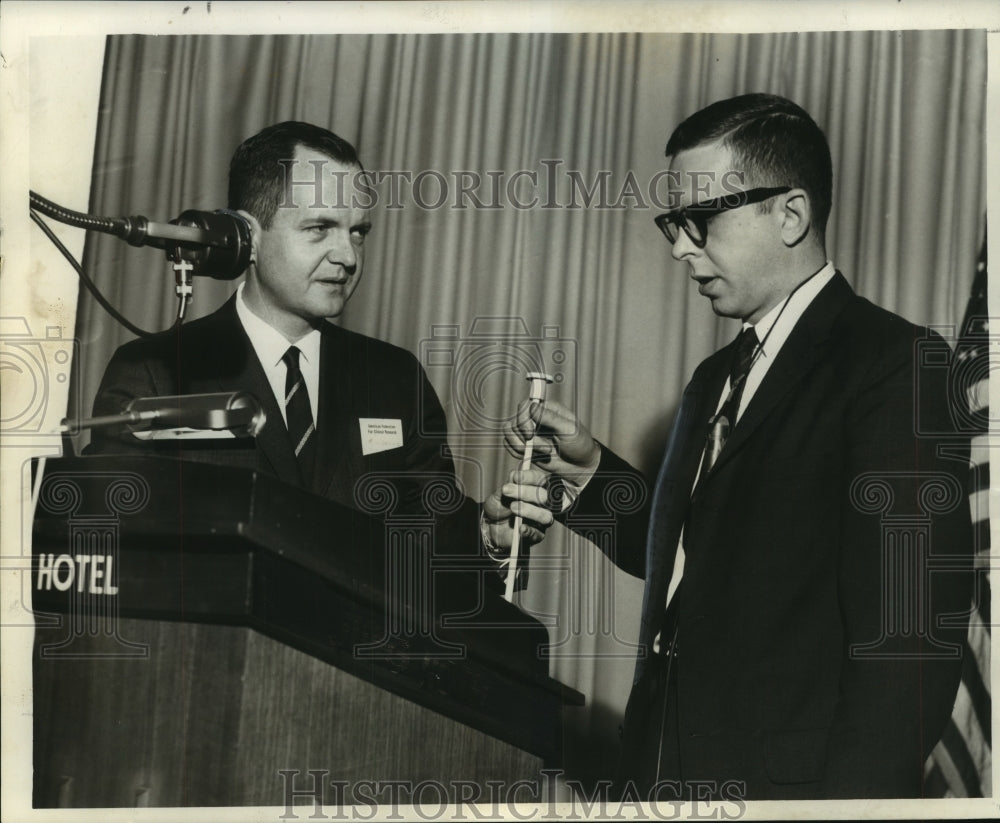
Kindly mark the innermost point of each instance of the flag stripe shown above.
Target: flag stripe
(979, 642)
(972, 737)
(935, 783)
(981, 535)
(979, 506)
(981, 593)
(980, 452)
(965, 767)
(978, 696)
(980, 477)
(941, 760)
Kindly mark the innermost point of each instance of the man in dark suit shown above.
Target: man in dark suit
(791, 636)
(339, 406)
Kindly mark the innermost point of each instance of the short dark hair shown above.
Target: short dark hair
(775, 141)
(256, 177)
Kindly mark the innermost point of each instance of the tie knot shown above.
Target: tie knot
(746, 345)
(291, 358)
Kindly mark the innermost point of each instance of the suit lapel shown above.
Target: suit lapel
(233, 359)
(798, 354)
(672, 492)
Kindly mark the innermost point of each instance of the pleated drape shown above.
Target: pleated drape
(904, 113)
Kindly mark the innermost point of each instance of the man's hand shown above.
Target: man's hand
(562, 449)
(524, 494)
(562, 445)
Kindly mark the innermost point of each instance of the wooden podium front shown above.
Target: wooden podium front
(208, 636)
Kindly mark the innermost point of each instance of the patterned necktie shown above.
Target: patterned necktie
(724, 421)
(298, 413)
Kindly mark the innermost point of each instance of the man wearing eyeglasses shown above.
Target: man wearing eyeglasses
(791, 642)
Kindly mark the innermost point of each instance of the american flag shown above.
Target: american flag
(960, 764)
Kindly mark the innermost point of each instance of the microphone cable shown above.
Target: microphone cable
(87, 222)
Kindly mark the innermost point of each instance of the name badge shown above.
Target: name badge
(379, 434)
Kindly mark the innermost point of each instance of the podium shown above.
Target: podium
(209, 636)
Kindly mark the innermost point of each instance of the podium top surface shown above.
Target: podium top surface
(207, 543)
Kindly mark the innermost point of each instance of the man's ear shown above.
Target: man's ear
(255, 232)
(796, 217)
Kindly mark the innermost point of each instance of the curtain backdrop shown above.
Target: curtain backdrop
(595, 284)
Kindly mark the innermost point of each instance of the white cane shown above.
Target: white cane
(537, 392)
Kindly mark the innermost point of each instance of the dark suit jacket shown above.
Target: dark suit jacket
(360, 378)
(811, 662)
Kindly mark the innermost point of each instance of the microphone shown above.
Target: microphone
(238, 412)
(216, 243)
(221, 414)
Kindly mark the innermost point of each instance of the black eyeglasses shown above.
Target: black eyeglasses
(694, 219)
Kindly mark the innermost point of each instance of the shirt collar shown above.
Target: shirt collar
(269, 344)
(775, 326)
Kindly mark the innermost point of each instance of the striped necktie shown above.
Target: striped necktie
(298, 414)
(722, 424)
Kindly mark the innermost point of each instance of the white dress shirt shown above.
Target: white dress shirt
(270, 346)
